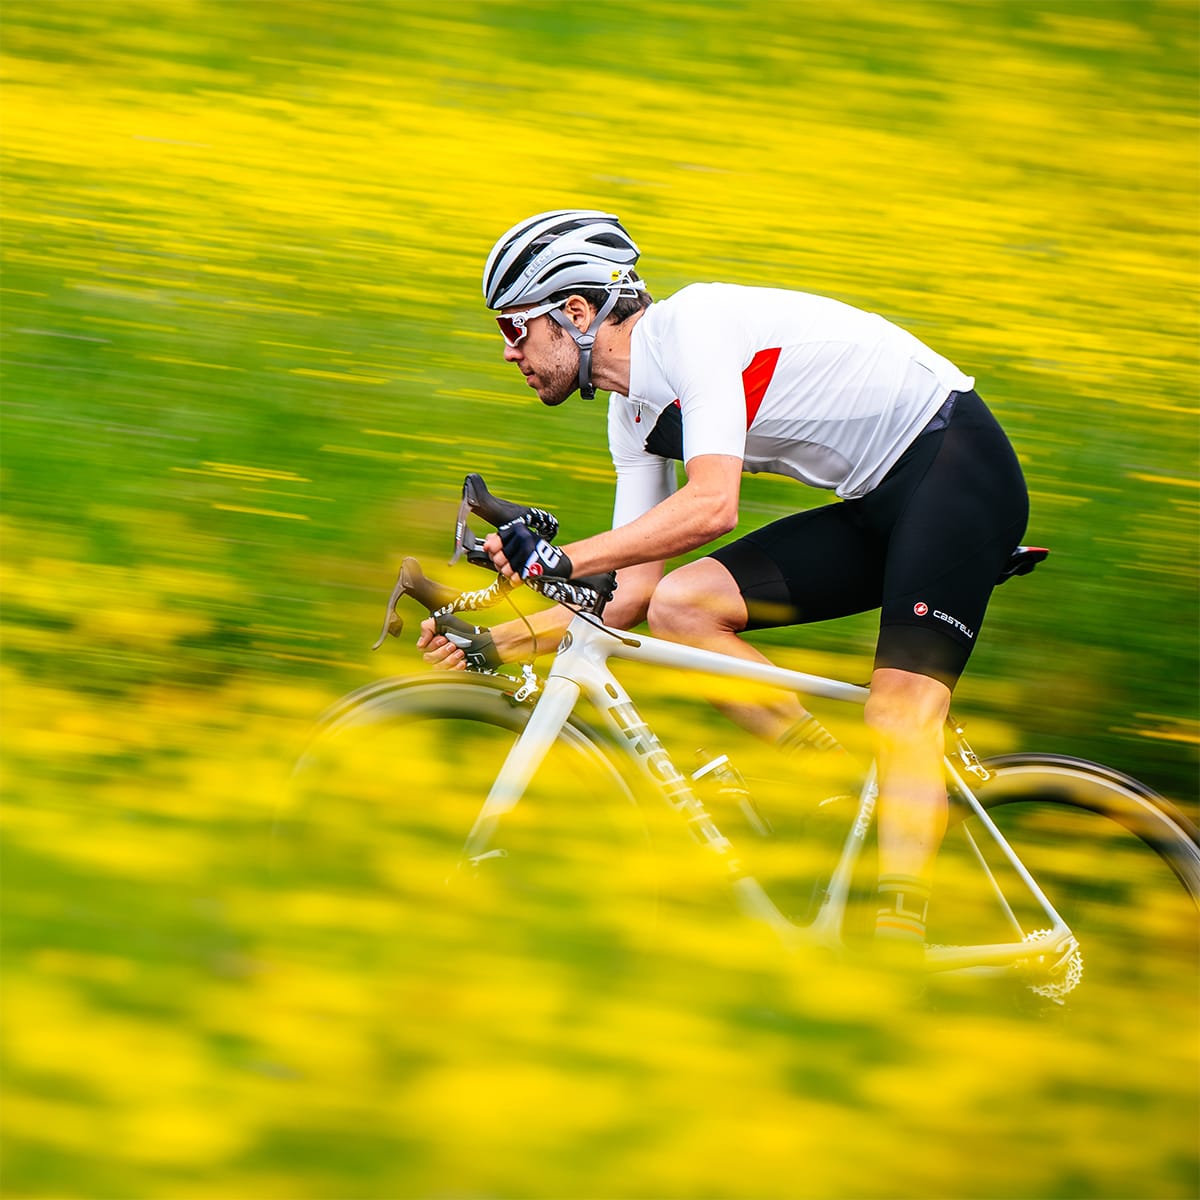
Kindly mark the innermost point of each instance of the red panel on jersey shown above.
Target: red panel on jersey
(756, 378)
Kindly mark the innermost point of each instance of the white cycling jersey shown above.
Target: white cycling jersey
(793, 384)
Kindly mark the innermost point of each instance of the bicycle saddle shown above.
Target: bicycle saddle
(1023, 560)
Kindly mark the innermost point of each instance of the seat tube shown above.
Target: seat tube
(523, 760)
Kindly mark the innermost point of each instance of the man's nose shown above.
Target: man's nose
(511, 353)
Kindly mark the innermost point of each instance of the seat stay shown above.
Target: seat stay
(961, 790)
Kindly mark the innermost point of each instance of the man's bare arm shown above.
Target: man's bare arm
(705, 508)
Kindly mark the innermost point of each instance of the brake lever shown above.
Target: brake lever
(412, 581)
(461, 532)
(467, 543)
(393, 622)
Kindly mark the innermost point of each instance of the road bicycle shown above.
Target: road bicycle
(1058, 863)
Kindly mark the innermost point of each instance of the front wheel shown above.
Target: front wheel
(1118, 863)
(381, 804)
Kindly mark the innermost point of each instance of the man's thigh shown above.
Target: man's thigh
(810, 566)
(948, 540)
(696, 600)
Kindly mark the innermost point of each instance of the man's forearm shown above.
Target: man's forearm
(514, 642)
(704, 509)
(626, 609)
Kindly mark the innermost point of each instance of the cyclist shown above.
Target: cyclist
(727, 379)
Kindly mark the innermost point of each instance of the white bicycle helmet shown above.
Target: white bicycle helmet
(554, 252)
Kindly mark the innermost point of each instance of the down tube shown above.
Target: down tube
(527, 754)
(645, 748)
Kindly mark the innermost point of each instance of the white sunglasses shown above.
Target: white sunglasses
(512, 325)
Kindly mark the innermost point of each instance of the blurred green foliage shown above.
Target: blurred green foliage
(245, 367)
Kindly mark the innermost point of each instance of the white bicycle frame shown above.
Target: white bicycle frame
(581, 668)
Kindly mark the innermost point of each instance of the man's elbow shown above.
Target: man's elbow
(711, 492)
(721, 518)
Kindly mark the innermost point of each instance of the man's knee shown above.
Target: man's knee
(698, 599)
(907, 708)
(673, 606)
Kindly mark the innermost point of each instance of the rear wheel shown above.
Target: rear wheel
(1119, 865)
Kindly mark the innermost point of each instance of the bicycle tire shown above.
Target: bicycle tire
(492, 697)
(1117, 861)
(387, 788)
(1107, 792)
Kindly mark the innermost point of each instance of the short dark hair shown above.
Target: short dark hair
(597, 297)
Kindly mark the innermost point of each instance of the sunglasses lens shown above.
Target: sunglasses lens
(512, 332)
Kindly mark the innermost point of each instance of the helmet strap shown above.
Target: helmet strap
(585, 341)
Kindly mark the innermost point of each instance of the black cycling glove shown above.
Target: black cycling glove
(477, 644)
(530, 555)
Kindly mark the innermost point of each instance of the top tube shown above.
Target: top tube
(599, 644)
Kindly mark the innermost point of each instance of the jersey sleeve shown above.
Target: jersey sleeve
(703, 353)
(643, 479)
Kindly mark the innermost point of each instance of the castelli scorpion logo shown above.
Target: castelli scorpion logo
(922, 610)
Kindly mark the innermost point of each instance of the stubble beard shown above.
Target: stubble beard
(562, 377)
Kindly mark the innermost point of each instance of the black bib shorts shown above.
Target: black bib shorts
(926, 547)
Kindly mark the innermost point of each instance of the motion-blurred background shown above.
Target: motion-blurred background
(245, 366)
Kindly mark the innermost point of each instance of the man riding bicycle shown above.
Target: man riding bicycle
(729, 379)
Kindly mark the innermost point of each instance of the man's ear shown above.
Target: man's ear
(580, 313)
